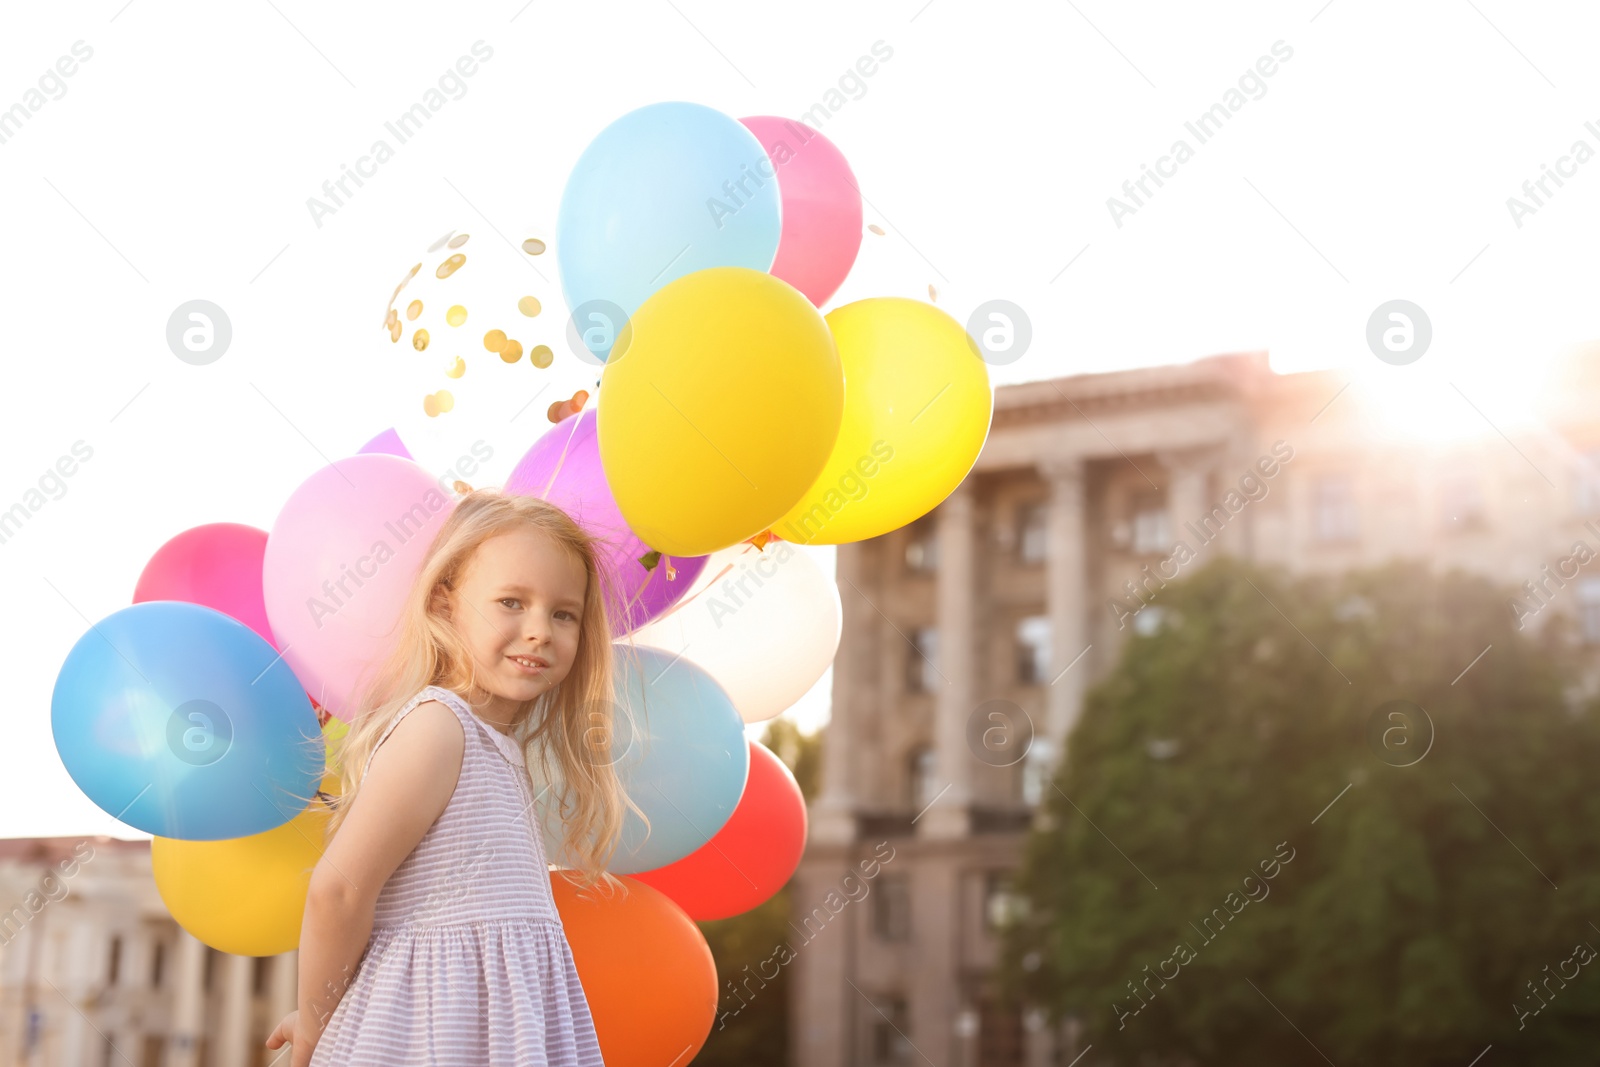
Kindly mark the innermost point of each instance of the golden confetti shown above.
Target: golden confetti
(414, 310)
(419, 340)
(394, 329)
(533, 246)
(436, 404)
(451, 265)
(494, 340)
(529, 306)
(541, 356)
(458, 240)
(440, 242)
(875, 228)
(511, 351)
(463, 488)
(563, 408)
(456, 315)
(933, 294)
(391, 318)
(456, 369)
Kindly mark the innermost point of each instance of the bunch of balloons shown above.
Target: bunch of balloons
(733, 418)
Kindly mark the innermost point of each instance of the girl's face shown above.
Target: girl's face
(518, 609)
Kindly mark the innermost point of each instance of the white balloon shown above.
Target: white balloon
(765, 623)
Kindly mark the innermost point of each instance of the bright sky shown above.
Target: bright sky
(175, 162)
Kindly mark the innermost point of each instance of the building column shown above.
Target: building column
(232, 1047)
(933, 986)
(950, 815)
(1188, 477)
(833, 816)
(188, 1001)
(1066, 589)
(283, 986)
(81, 979)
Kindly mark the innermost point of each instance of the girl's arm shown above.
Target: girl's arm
(411, 779)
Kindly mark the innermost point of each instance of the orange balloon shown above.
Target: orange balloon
(646, 971)
(751, 857)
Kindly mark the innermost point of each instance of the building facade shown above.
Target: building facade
(94, 972)
(972, 635)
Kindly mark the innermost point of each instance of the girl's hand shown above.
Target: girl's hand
(288, 1031)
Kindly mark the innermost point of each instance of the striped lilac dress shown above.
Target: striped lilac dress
(468, 964)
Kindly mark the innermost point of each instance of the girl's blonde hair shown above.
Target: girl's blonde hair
(575, 719)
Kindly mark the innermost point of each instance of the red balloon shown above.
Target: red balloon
(216, 566)
(751, 857)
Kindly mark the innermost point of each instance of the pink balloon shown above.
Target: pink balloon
(821, 206)
(340, 561)
(217, 566)
(563, 467)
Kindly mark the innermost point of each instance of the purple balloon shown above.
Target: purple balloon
(386, 442)
(563, 467)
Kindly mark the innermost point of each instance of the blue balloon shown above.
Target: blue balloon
(185, 723)
(664, 191)
(684, 766)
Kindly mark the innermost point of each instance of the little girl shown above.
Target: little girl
(503, 663)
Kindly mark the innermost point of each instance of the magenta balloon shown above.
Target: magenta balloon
(386, 442)
(563, 467)
(821, 206)
(217, 566)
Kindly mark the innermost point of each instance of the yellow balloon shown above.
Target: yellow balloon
(718, 406)
(917, 407)
(246, 895)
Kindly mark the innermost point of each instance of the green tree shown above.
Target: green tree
(1417, 902)
(756, 1032)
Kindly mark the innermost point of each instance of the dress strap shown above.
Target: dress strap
(430, 693)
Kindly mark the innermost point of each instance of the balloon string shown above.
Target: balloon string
(686, 601)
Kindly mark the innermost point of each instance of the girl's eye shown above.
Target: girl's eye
(509, 600)
(570, 615)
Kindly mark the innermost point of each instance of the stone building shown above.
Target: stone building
(95, 973)
(987, 620)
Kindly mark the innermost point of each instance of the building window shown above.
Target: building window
(922, 545)
(1035, 773)
(210, 969)
(1033, 649)
(116, 960)
(1002, 904)
(1032, 531)
(1334, 508)
(157, 958)
(922, 672)
(1461, 502)
(1589, 609)
(891, 908)
(1152, 524)
(887, 1041)
(920, 776)
(1588, 502)
(1147, 620)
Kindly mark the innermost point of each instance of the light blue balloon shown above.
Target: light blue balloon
(664, 191)
(185, 723)
(685, 765)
